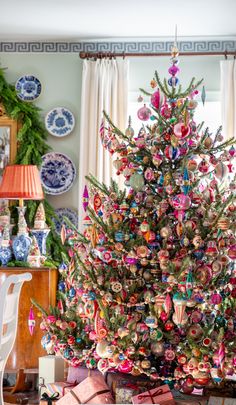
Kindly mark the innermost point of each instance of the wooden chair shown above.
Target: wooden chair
(9, 301)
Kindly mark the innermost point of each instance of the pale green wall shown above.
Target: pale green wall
(206, 67)
(60, 75)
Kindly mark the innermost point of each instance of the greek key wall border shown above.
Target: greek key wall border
(129, 47)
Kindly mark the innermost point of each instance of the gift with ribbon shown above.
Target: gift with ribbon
(92, 390)
(49, 399)
(160, 395)
(124, 391)
(61, 387)
(80, 373)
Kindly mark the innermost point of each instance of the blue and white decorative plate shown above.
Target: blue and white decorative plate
(28, 88)
(72, 215)
(57, 173)
(60, 121)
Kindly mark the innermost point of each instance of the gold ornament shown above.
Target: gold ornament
(223, 224)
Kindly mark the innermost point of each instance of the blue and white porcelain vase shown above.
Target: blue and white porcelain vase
(21, 245)
(5, 255)
(41, 237)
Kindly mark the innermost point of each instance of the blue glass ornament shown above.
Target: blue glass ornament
(173, 81)
(62, 267)
(92, 295)
(72, 292)
(62, 286)
(198, 254)
(161, 180)
(68, 353)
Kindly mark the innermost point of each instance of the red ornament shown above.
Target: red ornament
(169, 326)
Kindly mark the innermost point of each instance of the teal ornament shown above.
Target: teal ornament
(189, 284)
(203, 95)
(152, 118)
(136, 181)
(161, 180)
(186, 182)
(119, 236)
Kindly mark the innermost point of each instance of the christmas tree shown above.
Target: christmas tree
(150, 288)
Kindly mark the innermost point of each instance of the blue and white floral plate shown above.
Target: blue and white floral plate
(57, 173)
(60, 121)
(72, 215)
(28, 88)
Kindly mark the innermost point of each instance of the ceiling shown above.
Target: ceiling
(96, 20)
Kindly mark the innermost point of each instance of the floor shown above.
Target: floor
(33, 398)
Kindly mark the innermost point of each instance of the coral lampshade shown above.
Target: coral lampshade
(21, 182)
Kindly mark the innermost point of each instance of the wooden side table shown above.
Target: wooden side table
(27, 349)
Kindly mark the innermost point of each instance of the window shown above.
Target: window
(210, 113)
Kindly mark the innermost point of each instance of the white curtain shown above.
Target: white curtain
(228, 98)
(104, 87)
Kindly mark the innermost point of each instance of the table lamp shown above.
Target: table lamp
(21, 182)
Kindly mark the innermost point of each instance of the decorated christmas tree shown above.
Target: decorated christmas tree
(150, 288)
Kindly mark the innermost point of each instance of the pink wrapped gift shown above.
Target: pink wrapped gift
(160, 395)
(93, 390)
(141, 382)
(60, 387)
(80, 373)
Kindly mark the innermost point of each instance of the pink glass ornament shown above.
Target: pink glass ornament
(181, 130)
(157, 159)
(173, 70)
(144, 113)
(216, 299)
(85, 198)
(181, 202)
(125, 366)
(203, 166)
(155, 99)
(31, 321)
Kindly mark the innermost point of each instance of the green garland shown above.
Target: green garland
(31, 146)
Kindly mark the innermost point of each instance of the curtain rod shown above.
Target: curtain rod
(101, 55)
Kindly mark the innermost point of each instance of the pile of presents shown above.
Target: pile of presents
(83, 386)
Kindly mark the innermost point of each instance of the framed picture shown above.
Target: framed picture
(8, 143)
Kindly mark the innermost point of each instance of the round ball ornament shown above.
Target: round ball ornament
(144, 113)
(157, 348)
(181, 202)
(126, 366)
(157, 159)
(173, 81)
(223, 224)
(221, 170)
(192, 165)
(104, 350)
(203, 166)
(232, 252)
(195, 332)
(181, 130)
(136, 181)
